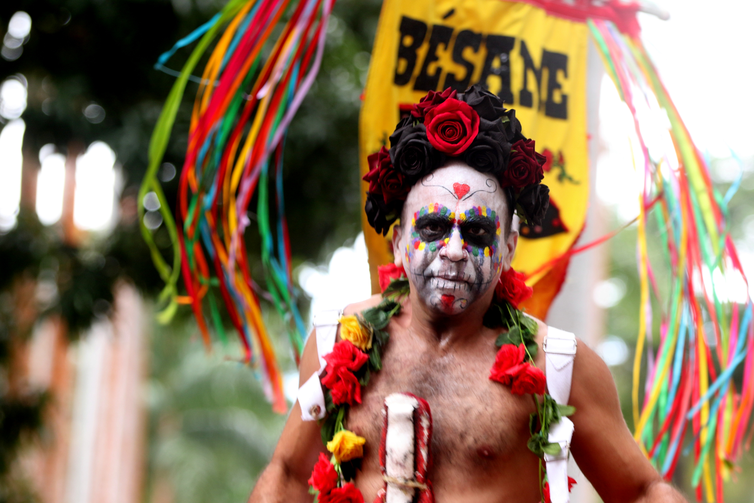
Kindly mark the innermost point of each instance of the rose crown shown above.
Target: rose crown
(472, 126)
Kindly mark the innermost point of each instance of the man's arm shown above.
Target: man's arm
(603, 446)
(285, 478)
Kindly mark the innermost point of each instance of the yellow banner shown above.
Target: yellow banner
(534, 61)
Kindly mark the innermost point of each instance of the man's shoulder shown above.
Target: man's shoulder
(357, 307)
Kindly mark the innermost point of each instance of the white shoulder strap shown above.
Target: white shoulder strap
(310, 396)
(560, 351)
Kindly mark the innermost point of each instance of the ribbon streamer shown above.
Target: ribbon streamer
(242, 110)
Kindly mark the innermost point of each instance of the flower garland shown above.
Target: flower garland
(349, 366)
(473, 126)
(514, 366)
(359, 354)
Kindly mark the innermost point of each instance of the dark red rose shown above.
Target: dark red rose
(546, 489)
(430, 101)
(344, 354)
(343, 385)
(525, 166)
(528, 380)
(346, 494)
(384, 179)
(512, 288)
(324, 477)
(509, 357)
(451, 126)
(388, 273)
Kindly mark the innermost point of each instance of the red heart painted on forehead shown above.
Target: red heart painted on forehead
(461, 189)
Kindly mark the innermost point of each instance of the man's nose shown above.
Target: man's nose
(454, 247)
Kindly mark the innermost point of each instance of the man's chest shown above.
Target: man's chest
(478, 424)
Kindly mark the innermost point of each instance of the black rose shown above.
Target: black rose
(489, 153)
(380, 215)
(411, 153)
(486, 104)
(533, 202)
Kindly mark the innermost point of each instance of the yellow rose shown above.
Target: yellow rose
(346, 445)
(353, 331)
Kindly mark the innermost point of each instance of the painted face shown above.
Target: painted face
(453, 242)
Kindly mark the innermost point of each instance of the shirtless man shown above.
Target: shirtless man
(440, 350)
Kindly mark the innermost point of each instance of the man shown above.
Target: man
(454, 241)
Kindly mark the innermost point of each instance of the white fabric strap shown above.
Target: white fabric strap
(310, 396)
(560, 350)
(400, 443)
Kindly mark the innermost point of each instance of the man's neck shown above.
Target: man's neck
(443, 329)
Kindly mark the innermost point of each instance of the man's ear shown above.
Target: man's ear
(510, 248)
(398, 244)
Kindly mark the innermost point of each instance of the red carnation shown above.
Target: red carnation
(525, 166)
(343, 385)
(431, 100)
(528, 380)
(509, 357)
(345, 354)
(324, 477)
(384, 179)
(513, 288)
(388, 273)
(546, 489)
(451, 126)
(346, 494)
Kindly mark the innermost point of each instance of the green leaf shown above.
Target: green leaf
(502, 339)
(329, 405)
(532, 347)
(375, 317)
(375, 359)
(514, 334)
(364, 379)
(381, 336)
(530, 325)
(533, 419)
(399, 287)
(566, 410)
(535, 445)
(328, 427)
(551, 449)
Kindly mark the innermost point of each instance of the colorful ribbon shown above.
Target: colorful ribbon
(242, 110)
(695, 379)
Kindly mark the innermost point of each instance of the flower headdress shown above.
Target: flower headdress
(472, 126)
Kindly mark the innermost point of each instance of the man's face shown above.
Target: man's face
(452, 241)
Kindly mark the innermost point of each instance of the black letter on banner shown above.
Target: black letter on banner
(466, 38)
(499, 47)
(555, 62)
(524, 96)
(417, 31)
(440, 35)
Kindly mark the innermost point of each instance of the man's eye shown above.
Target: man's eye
(476, 231)
(432, 231)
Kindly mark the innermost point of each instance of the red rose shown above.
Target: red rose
(528, 380)
(343, 385)
(324, 477)
(511, 287)
(346, 494)
(451, 126)
(431, 100)
(345, 354)
(524, 166)
(388, 273)
(509, 357)
(384, 179)
(546, 489)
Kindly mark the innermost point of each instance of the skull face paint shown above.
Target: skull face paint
(453, 244)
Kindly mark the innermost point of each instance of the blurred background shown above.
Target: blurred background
(98, 402)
